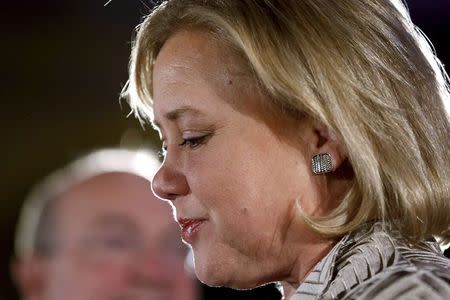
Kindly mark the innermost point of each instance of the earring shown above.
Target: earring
(321, 163)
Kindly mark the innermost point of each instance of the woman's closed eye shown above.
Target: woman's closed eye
(194, 141)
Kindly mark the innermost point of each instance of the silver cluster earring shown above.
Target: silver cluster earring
(321, 163)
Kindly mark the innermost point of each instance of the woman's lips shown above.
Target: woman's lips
(189, 228)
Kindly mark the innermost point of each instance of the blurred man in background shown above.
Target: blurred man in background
(94, 231)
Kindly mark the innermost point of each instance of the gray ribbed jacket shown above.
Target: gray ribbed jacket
(371, 263)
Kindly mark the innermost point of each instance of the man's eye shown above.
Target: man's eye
(111, 242)
(116, 243)
(194, 142)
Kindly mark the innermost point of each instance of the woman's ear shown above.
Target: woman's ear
(328, 156)
(325, 147)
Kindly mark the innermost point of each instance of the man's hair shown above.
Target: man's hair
(360, 67)
(35, 231)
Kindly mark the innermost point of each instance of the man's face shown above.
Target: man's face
(116, 241)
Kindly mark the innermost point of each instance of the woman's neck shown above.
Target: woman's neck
(303, 267)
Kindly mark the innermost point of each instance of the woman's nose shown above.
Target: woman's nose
(169, 183)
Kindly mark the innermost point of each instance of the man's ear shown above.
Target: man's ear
(30, 276)
(326, 141)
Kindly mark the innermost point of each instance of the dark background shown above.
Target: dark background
(63, 66)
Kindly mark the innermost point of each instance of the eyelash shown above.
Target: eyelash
(192, 143)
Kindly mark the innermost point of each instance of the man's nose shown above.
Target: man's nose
(157, 268)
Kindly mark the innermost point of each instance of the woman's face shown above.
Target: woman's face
(235, 171)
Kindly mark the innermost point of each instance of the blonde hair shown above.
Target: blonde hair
(361, 68)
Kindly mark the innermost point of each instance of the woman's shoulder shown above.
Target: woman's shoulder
(377, 264)
(404, 283)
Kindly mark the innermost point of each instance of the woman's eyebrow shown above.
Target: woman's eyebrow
(176, 114)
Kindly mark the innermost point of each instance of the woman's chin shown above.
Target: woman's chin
(218, 276)
(211, 275)
(216, 265)
(230, 283)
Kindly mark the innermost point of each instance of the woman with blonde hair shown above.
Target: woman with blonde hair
(306, 142)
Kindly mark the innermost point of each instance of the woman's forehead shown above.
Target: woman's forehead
(186, 52)
(200, 70)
